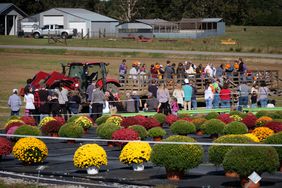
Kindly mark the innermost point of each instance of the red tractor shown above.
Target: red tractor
(76, 76)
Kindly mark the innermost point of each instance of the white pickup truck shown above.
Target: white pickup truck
(57, 30)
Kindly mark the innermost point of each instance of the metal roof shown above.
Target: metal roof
(5, 6)
(200, 20)
(156, 22)
(134, 25)
(86, 14)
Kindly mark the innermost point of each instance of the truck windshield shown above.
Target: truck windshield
(45, 27)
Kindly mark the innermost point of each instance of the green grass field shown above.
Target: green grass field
(254, 39)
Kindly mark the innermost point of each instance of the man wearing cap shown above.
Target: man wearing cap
(15, 103)
(187, 94)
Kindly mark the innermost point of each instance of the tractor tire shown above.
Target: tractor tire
(36, 35)
(64, 35)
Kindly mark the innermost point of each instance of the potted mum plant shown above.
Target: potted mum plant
(160, 117)
(213, 127)
(170, 119)
(105, 131)
(276, 139)
(51, 128)
(176, 158)
(71, 130)
(157, 133)
(30, 150)
(27, 130)
(91, 157)
(262, 132)
(235, 127)
(142, 132)
(84, 122)
(198, 122)
(182, 127)
(5, 147)
(124, 134)
(245, 160)
(135, 154)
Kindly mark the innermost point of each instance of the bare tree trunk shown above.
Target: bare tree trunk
(128, 8)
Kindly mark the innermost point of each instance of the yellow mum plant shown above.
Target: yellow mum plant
(263, 120)
(135, 152)
(90, 155)
(262, 132)
(84, 122)
(252, 136)
(45, 120)
(114, 119)
(30, 150)
(236, 117)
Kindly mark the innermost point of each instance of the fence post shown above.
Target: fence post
(81, 33)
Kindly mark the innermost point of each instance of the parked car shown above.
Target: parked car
(57, 30)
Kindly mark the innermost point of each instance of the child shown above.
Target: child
(174, 106)
(254, 98)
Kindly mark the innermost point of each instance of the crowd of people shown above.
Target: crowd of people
(217, 93)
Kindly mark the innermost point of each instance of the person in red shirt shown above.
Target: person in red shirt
(225, 96)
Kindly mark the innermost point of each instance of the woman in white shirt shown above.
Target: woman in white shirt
(29, 100)
(208, 96)
(178, 93)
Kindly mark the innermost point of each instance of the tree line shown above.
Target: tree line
(234, 12)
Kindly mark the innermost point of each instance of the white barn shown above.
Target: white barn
(84, 21)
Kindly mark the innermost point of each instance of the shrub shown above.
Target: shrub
(142, 132)
(249, 120)
(83, 122)
(150, 123)
(225, 118)
(129, 121)
(182, 127)
(73, 118)
(253, 137)
(45, 120)
(235, 128)
(246, 160)
(238, 113)
(160, 117)
(263, 120)
(71, 130)
(114, 119)
(261, 113)
(212, 115)
(275, 139)
(175, 156)
(198, 122)
(156, 132)
(106, 130)
(170, 119)
(262, 132)
(28, 120)
(278, 114)
(5, 146)
(102, 119)
(124, 134)
(89, 155)
(213, 126)
(51, 127)
(135, 152)
(30, 150)
(274, 125)
(217, 152)
(184, 115)
(28, 130)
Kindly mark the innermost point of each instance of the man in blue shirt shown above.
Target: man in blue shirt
(15, 103)
(187, 94)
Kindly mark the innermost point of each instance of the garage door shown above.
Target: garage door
(49, 20)
(79, 26)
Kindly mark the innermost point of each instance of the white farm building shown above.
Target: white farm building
(84, 21)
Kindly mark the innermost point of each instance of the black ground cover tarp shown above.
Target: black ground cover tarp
(59, 164)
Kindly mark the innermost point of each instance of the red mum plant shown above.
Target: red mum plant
(28, 120)
(124, 134)
(61, 120)
(13, 124)
(170, 119)
(249, 120)
(274, 125)
(150, 123)
(5, 146)
(51, 127)
(225, 118)
(135, 120)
